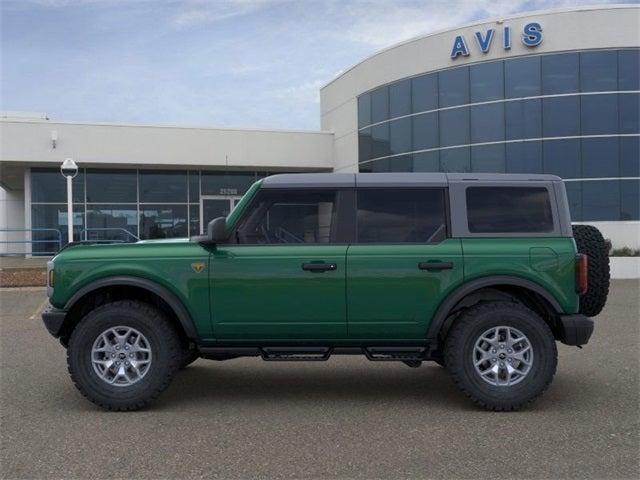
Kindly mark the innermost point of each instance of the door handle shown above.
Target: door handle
(319, 267)
(434, 266)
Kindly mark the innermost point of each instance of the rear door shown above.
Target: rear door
(402, 264)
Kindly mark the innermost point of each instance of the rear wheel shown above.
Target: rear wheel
(501, 355)
(591, 243)
(122, 355)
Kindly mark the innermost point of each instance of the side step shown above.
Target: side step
(299, 354)
(395, 354)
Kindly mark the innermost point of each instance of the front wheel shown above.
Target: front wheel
(501, 355)
(122, 355)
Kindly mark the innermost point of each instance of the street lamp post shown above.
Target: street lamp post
(69, 169)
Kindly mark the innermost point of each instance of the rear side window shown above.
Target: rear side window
(401, 216)
(509, 210)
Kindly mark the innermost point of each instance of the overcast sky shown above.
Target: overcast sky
(226, 63)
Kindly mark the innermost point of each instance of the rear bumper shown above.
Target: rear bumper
(575, 329)
(53, 319)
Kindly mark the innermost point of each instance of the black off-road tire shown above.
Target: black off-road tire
(165, 348)
(590, 242)
(189, 355)
(460, 344)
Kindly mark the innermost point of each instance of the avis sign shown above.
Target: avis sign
(531, 37)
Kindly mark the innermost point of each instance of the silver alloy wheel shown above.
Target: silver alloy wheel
(502, 356)
(121, 356)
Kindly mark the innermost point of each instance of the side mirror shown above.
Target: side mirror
(217, 230)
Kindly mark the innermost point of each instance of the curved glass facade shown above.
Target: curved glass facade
(573, 114)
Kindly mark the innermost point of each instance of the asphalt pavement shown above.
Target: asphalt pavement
(345, 418)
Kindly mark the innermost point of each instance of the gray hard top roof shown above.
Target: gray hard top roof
(409, 179)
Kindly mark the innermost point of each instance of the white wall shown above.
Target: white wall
(11, 217)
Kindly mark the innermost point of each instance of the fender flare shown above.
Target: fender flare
(165, 294)
(462, 291)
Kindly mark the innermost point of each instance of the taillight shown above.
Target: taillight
(582, 269)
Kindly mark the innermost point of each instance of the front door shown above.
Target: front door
(284, 278)
(214, 206)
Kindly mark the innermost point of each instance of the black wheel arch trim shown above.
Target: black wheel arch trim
(181, 312)
(469, 287)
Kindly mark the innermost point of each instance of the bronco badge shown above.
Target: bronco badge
(197, 267)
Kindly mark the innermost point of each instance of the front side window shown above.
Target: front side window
(401, 216)
(290, 217)
(509, 210)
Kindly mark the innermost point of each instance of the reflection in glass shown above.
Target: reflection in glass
(400, 98)
(453, 87)
(364, 110)
(562, 158)
(629, 112)
(53, 217)
(425, 131)
(426, 162)
(523, 119)
(380, 140)
(630, 199)
(600, 157)
(561, 116)
(574, 195)
(601, 200)
(454, 127)
(487, 123)
(488, 158)
(424, 93)
(524, 157)
(629, 69)
(365, 145)
(400, 135)
(163, 221)
(111, 186)
(598, 71)
(380, 105)
(163, 186)
(226, 183)
(522, 77)
(455, 160)
(487, 81)
(111, 222)
(49, 186)
(599, 114)
(560, 73)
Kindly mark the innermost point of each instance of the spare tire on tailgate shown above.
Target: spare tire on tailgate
(590, 242)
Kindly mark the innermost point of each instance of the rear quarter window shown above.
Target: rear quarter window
(509, 210)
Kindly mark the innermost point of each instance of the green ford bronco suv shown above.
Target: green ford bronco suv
(480, 273)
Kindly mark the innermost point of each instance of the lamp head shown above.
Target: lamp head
(69, 168)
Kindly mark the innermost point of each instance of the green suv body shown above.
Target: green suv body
(398, 267)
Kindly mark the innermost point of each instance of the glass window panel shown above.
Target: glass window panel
(365, 167)
(487, 81)
(522, 77)
(453, 87)
(163, 186)
(380, 140)
(629, 113)
(400, 98)
(601, 200)
(424, 93)
(562, 158)
(111, 222)
(49, 186)
(599, 114)
(194, 219)
(400, 135)
(401, 163)
(574, 195)
(600, 157)
(629, 70)
(455, 160)
(630, 156)
(454, 127)
(53, 217)
(524, 157)
(194, 186)
(487, 123)
(365, 145)
(426, 161)
(523, 119)
(401, 216)
(509, 210)
(380, 166)
(226, 183)
(364, 110)
(425, 131)
(380, 105)
(488, 159)
(561, 116)
(112, 186)
(560, 73)
(630, 200)
(290, 217)
(163, 221)
(599, 71)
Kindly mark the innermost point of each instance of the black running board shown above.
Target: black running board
(319, 353)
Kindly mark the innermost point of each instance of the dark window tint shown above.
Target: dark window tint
(599, 71)
(159, 186)
(380, 140)
(380, 105)
(378, 166)
(365, 146)
(629, 113)
(117, 186)
(290, 217)
(601, 200)
(454, 87)
(562, 158)
(599, 114)
(112, 222)
(226, 183)
(163, 221)
(509, 210)
(600, 157)
(630, 156)
(400, 99)
(400, 135)
(401, 216)
(487, 123)
(561, 116)
(194, 220)
(522, 77)
(425, 131)
(454, 127)
(524, 157)
(455, 160)
(488, 159)
(49, 186)
(364, 110)
(560, 73)
(426, 161)
(424, 93)
(401, 163)
(630, 200)
(574, 195)
(487, 81)
(194, 186)
(523, 119)
(629, 70)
